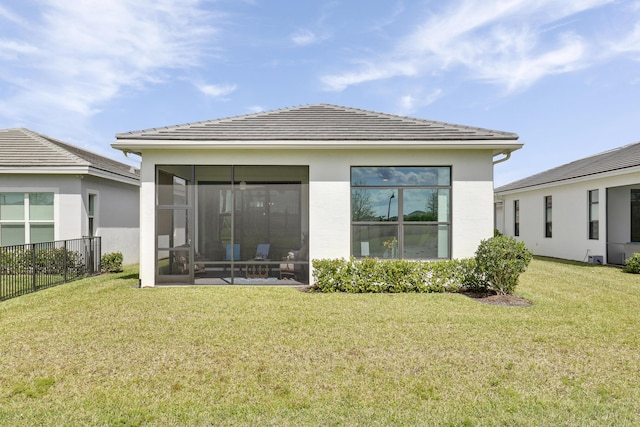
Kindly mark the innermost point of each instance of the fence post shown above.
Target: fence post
(65, 267)
(34, 274)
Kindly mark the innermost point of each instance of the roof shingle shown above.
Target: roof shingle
(620, 158)
(23, 148)
(318, 122)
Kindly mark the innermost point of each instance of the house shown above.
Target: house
(254, 198)
(586, 210)
(50, 190)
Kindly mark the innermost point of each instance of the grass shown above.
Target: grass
(101, 352)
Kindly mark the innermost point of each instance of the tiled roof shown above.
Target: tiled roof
(319, 122)
(26, 149)
(617, 159)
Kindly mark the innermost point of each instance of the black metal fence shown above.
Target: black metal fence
(32, 267)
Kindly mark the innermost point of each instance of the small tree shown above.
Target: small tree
(500, 261)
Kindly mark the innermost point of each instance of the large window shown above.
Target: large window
(516, 217)
(594, 215)
(26, 218)
(401, 212)
(548, 210)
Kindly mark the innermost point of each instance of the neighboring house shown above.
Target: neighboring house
(255, 198)
(50, 190)
(586, 210)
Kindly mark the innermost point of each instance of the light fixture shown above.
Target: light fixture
(243, 185)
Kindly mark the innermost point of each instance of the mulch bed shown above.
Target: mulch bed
(492, 299)
(483, 298)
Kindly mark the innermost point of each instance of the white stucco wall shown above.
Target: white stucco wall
(330, 192)
(117, 216)
(117, 209)
(66, 202)
(570, 238)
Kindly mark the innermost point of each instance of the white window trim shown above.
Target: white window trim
(96, 210)
(27, 222)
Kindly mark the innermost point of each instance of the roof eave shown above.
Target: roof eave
(69, 170)
(566, 181)
(498, 146)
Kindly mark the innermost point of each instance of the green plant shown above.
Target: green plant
(111, 262)
(632, 265)
(372, 275)
(500, 260)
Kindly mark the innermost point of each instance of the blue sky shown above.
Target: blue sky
(564, 75)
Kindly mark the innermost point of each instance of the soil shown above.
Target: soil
(483, 298)
(505, 300)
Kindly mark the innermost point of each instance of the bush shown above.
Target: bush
(111, 262)
(372, 275)
(500, 261)
(47, 261)
(632, 265)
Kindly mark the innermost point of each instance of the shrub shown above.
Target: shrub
(632, 265)
(111, 262)
(373, 275)
(46, 261)
(500, 261)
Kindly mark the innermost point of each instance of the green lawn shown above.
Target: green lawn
(101, 352)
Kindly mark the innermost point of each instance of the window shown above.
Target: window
(401, 212)
(547, 216)
(516, 217)
(91, 214)
(593, 215)
(635, 215)
(26, 218)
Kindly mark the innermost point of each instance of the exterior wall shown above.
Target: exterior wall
(66, 203)
(117, 210)
(330, 192)
(570, 237)
(117, 215)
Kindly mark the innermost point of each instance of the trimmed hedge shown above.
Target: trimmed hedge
(376, 276)
(47, 261)
(498, 263)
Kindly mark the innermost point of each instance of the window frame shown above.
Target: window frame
(398, 248)
(516, 218)
(92, 213)
(593, 225)
(634, 202)
(27, 222)
(548, 217)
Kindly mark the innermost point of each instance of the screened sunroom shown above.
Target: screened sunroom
(232, 224)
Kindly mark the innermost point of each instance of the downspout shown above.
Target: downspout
(506, 157)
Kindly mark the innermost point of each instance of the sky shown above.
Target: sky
(563, 75)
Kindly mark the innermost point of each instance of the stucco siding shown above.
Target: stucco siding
(570, 237)
(117, 216)
(330, 192)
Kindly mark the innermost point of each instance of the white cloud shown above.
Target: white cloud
(80, 55)
(410, 102)
(304, 37)
(511, 43)
(216, 91)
